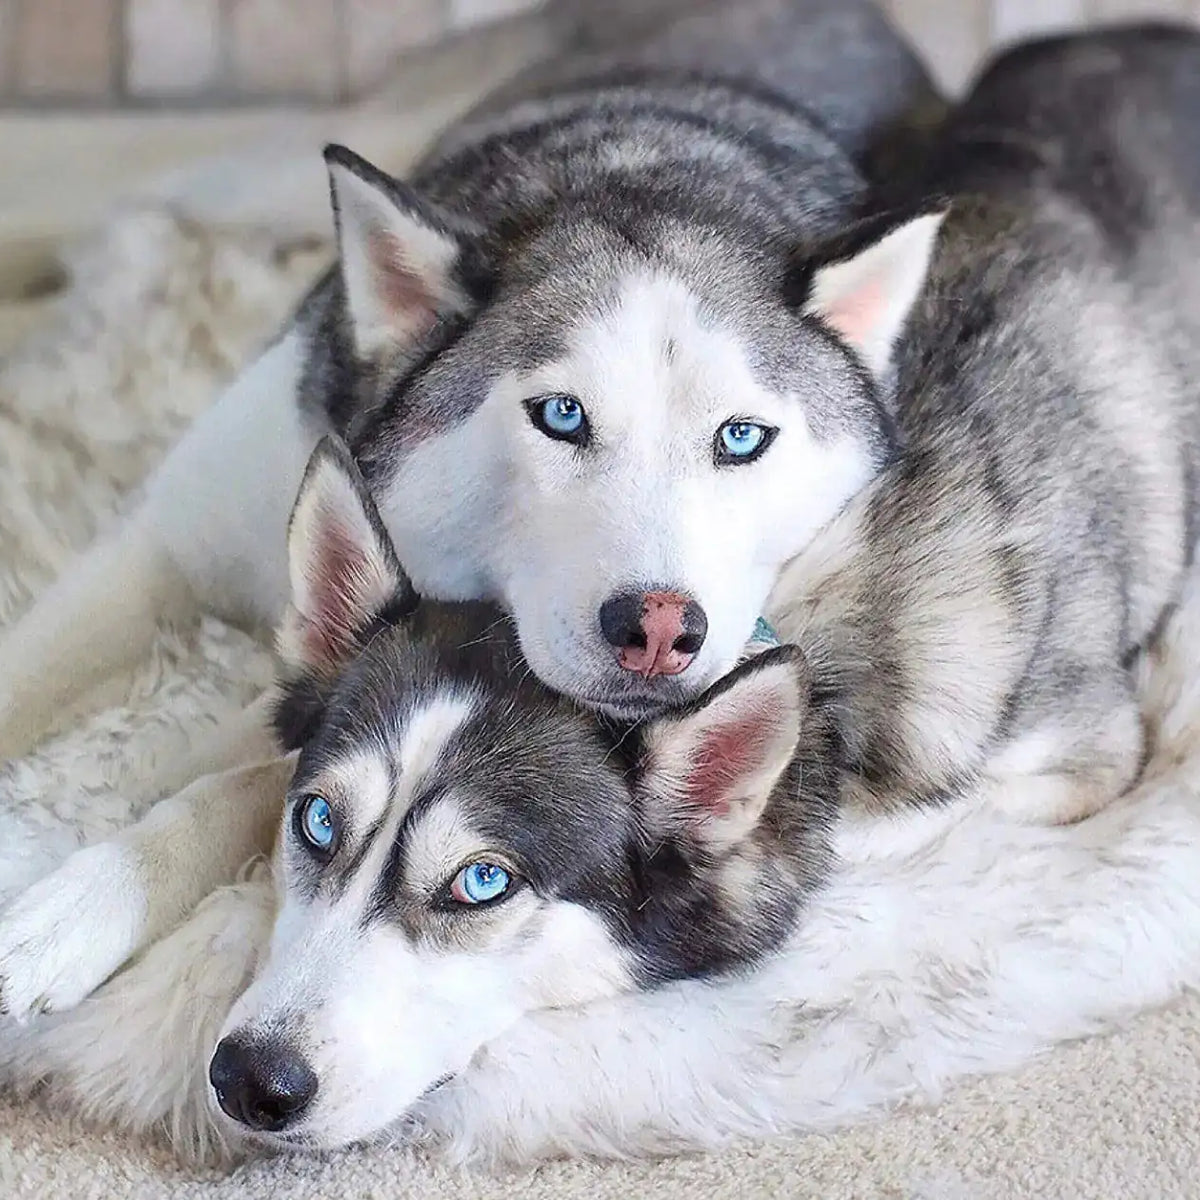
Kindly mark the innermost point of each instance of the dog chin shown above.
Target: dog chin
(309, 1140)
(636, 705)
(626, 711)
(299, 1142)
(629, 700)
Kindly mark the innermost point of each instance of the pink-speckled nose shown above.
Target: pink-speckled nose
(654, 633)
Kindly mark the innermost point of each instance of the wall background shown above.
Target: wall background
(205, 53)
(955, 34)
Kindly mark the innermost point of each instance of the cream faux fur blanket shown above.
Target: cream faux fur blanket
(973, 953)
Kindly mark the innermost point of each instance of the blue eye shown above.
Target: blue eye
(742, 441)
(480, 882)
(316, 822)
(560, 417)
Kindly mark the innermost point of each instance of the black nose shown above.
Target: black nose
(265, 1085)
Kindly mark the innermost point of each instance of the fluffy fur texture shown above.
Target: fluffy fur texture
(981, 605)
(968, 945)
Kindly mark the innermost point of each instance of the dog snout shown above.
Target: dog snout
(264, 1085)
(654, 633)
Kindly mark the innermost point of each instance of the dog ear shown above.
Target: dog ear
(405, 265)
(344, 572)
(710, 768)
(865, 284)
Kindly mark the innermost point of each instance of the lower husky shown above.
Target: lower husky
(456, 831)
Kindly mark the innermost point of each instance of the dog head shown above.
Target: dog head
(462, 847)
(625, 419)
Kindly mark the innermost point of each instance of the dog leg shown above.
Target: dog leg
(238, 742)
(210, 536)
(99, 617)
(1055, 776)
(69, 932)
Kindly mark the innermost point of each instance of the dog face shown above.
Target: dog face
(432, 893)
(623, 434)
(462, 847)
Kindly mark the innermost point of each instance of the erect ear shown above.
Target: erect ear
(866, 287)
(344, 572)
(711, 767)
(404, 263)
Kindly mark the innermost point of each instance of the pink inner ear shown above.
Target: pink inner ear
(725, 757)
(336, 578)
(405, 296)
(855, 314)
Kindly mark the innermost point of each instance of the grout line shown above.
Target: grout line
(8, 49)
(342, 44)
(118, 53)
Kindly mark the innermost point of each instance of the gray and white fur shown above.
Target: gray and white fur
(980, 605)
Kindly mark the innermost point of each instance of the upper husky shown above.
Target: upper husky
(566, 354)
(581, 339)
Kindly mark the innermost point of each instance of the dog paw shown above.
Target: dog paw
(65, 935)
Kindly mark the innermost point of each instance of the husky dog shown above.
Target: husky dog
(570, 362)
(480, 847)
(975, 611)
(566, 359)
(981, 604)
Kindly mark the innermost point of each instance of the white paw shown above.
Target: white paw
(65, 935)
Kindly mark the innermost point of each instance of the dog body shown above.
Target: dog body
(975, 614)
(982, 603)
(976, 605)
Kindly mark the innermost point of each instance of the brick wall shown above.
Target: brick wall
(196, 52)
(955, 34)
(199, 52)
